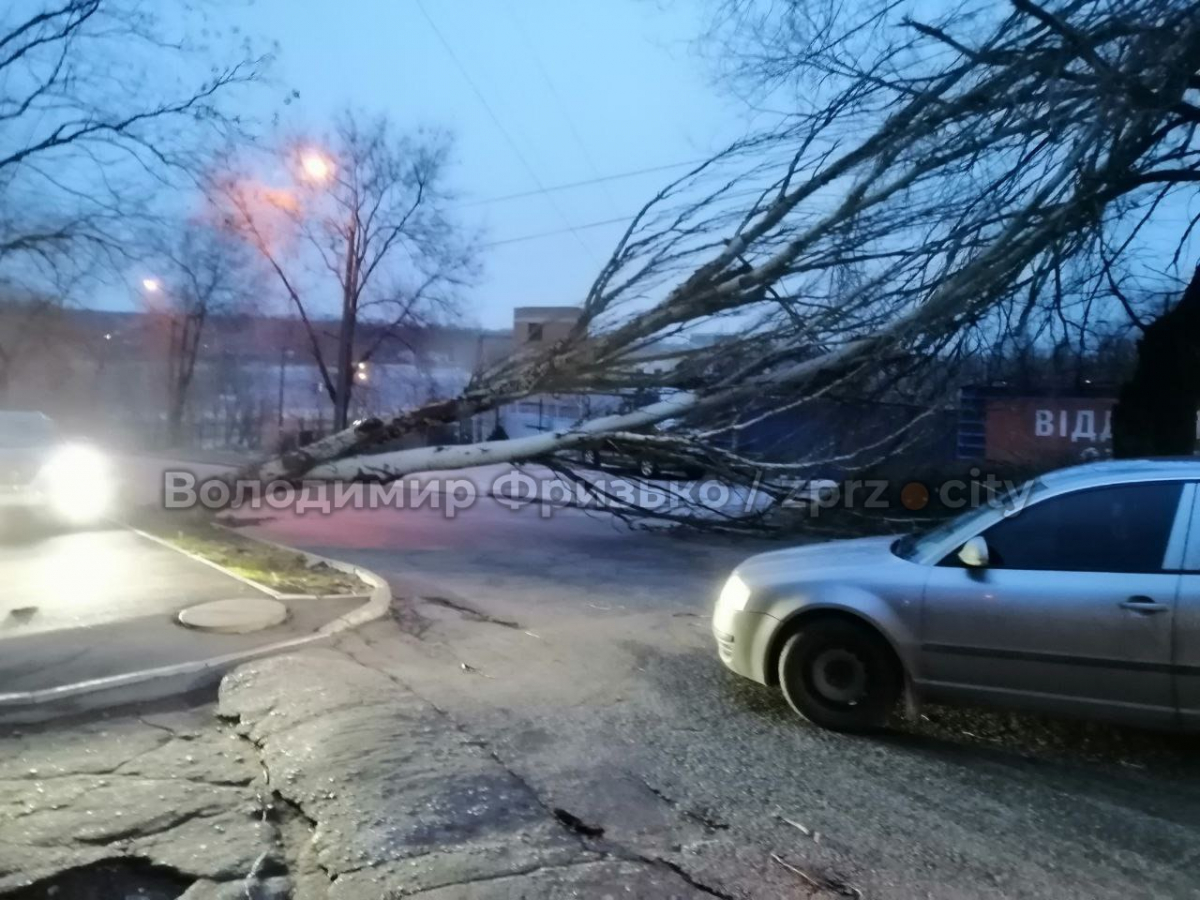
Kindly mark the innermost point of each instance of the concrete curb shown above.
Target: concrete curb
(25, 707)
(373, 609)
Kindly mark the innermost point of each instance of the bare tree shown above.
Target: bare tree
(932, 177)
(365, 223)
(102, 110)
(27, 327)
(205, 273)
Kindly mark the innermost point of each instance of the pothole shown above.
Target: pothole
(577, 824)
(123, 879)
(240, 615)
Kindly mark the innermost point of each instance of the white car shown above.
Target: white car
(71, 483)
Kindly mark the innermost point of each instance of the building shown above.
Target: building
(1038, 429)
(105, 373)
(541, 326)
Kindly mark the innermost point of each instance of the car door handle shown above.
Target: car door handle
(1143, 605)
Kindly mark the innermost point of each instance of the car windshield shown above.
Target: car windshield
(22, 431)
(913, 545)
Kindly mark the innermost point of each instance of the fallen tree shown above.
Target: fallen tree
(936, 176)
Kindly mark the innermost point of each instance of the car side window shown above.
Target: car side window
(1122, 528)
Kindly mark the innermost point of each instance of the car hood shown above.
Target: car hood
(825, 559)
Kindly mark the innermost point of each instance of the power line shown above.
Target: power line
(557, 231)
(563, 109)
(500, 126)
(633, 173)
(736, 195)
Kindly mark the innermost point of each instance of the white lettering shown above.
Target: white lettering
(1043, 423)
(1085, 426)
(179, 490)
(214, 494)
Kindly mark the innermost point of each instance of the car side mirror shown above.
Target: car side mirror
(974, 553)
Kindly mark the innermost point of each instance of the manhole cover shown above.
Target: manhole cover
(238, 616)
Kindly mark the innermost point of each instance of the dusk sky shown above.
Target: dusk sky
(537, 94)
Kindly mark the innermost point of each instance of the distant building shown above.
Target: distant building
(540, 326)
(536, 328)
(105, 373)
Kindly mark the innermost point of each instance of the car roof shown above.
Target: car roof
(1119, 471)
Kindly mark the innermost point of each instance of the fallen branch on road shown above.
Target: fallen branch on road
(821, 884)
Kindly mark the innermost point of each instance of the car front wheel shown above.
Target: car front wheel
(840, 675)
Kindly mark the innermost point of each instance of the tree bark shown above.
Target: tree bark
(345, 357)
(1155, 413)
(182, 350)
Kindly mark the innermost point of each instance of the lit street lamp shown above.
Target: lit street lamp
(316, 166)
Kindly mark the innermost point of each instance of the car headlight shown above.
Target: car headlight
(734, 597)
(75, 461)
(78, 483)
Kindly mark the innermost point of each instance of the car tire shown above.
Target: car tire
(647, 468)
(840, 675)
(591, 458)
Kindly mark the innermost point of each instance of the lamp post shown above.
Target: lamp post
(318, 168)
(176, 344)
(282, 364)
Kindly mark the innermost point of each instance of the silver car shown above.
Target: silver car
(1078, 593)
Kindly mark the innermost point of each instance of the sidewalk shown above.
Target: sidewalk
(96, 610)
(402, 801)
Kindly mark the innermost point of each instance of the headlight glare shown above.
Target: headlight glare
(78, 484)
(734, 597)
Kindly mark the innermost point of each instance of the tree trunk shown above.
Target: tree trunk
(183, 347)
(345, 357)
(175, 423)
(345, 374)
(1155, 413)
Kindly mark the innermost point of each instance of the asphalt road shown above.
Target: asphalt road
(577, 653)
(544, 716)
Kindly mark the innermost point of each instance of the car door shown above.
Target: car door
(1074, 611)
(1187, 629)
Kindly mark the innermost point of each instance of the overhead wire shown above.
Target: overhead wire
(509, 139)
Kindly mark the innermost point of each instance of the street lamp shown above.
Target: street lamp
(316, 166)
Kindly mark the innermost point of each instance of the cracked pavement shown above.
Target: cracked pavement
(291, 787)
(404, 801)
(170, 790)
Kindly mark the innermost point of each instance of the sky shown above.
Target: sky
(538, 94)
